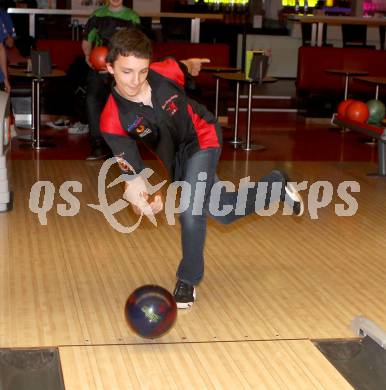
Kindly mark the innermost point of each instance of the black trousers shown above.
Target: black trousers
(98, 90)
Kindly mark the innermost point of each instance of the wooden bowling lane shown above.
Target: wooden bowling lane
(267, 281)
(294, 364)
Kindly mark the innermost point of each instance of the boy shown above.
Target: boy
(148, 103)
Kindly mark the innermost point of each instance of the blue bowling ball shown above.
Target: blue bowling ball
(150, 311)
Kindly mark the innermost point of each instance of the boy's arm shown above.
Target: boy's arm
(194, 65)
(179, 71)
(130, 162)
(125, 150)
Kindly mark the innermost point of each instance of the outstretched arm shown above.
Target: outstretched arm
(137, 188)
(194, 65)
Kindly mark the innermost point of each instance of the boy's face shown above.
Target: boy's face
(130, 74)
(115, 4)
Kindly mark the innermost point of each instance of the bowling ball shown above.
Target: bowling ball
(98, 57)
(150, 311)
(376, 111)
(357, 111)
(342, 106)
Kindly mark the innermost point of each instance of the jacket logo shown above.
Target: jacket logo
(142, 131)
(169, 106)
(135, 124)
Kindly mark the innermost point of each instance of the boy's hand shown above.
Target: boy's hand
(194, 65)
(156, 206)
(136, 193)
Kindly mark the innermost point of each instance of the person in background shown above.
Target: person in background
(7, 39)
(4, 82)
(100, 27)
(6, 25)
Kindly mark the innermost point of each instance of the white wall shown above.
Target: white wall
(147, 6)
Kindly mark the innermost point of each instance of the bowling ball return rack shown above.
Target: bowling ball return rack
(373, 131)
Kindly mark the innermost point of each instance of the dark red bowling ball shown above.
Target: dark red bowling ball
(98, 57)
(150, 311)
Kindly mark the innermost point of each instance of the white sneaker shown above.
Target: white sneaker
(78, 128)
(59, 124)
(295, 199)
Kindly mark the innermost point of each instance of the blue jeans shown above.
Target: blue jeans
(202, 201)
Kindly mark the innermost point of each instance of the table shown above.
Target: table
(240, 78)
(216, 69)
(35, 108)
(347, 73)
(319, 21)
(155, 17)
(373, 80)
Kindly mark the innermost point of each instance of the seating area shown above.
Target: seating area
(313, 62)
(67, 55)
(314, 82)
(64, 52)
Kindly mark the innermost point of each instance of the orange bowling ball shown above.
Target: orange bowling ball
(98, 57)
(357, 111)
(342, 107)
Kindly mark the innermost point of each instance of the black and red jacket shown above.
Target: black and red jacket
(175, 127)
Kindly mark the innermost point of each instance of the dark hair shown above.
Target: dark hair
(129, 42)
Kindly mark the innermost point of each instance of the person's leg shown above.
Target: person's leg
(98, 89)
(200, 177)
(228, 206)
(200, 168)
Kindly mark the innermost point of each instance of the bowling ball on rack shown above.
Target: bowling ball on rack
(342, 106)
(98, 57)
(376, 111)
(357, 111)
(150, 311)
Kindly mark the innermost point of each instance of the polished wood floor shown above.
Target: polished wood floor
(272, 284)
(285, 136)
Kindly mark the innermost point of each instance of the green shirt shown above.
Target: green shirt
(103, 23)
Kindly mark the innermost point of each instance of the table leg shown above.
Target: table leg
(314, 28)
(38, 142)
(236, 141)
(217, 93)
(373, 141)
(248, 145)
(31, 139)
(320, 34)
(195, 30)
(37, 115)
(33, 112)
(346, 87)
